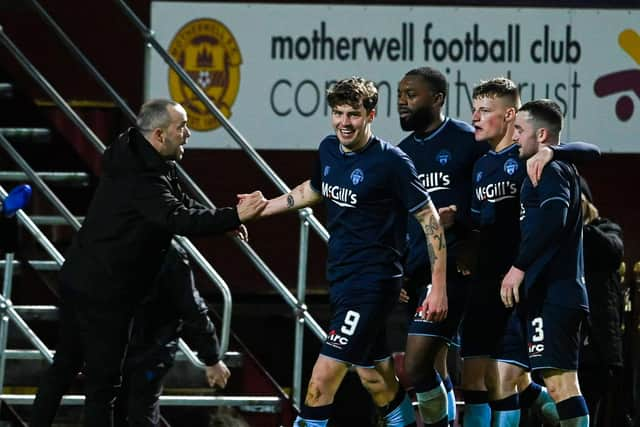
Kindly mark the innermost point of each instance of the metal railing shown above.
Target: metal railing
(7, 310)
(306, 216)
(303, 317)
(35, 178)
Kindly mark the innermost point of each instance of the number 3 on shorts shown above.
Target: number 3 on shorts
(538, 332)
(350, 322)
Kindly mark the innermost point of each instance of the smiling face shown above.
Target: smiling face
(352, 125)
(418, 106)
(175, 136)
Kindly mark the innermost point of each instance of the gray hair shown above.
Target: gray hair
(154, 114)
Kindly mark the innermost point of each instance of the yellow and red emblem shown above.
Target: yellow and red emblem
(209, 53)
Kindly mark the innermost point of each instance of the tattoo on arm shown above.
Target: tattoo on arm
(433, 231)
(290, 201)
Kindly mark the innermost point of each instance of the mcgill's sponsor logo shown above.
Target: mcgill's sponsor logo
(434, 181)
(498, 191)
(341, 196)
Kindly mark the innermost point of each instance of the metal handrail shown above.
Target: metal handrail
(40, 237)
(299, 328)
(148, 35)
(64, 106)
(83, 59)
(39, 182)
(7, 306)
(305, 214)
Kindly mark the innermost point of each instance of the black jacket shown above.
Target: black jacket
(174, 308)
(603, 252)
(136, 209)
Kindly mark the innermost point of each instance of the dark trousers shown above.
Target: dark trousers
(138, 404)
(95, 333)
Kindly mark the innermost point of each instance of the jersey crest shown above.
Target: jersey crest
(357, 176)
(511, 166)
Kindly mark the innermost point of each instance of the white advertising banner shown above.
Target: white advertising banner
(267, 66)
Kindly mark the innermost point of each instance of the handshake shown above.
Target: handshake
(251, 206)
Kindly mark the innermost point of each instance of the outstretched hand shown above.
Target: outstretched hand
(250, 206)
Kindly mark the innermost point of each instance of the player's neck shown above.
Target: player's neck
(435, 124)
(504, 142)
(366, 137)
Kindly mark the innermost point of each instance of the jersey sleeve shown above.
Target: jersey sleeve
(475, 203)
(554, 186)
(316, 175)
(575, 152)
(406, 184)
(553, 195)
(153, 199)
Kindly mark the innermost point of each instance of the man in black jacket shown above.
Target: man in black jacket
(174, 308)
(114, 258)
(601, 353)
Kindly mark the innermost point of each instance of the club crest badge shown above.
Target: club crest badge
(510, 166)
(209, 53)
(357, 176)
(443, 157)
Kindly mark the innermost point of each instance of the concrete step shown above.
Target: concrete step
(37, 135)
(269, 404)
(79, 179)
(232, 359)
(40, 265)
(6, 90)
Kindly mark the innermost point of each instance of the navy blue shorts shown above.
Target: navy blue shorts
(491, 330)
(554, 336)
(513, 347)
(357, 331)
(457, 296)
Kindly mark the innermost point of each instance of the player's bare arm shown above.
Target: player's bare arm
(300, 197)
(435, 304)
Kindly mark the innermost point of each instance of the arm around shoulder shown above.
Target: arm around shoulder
(576, 151)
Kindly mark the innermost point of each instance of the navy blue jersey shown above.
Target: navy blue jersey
(495, 204)
(368, 194)
(553, 245)
(444, 161)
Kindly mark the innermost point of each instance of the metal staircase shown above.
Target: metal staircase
(275, 403)
(24, 364)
